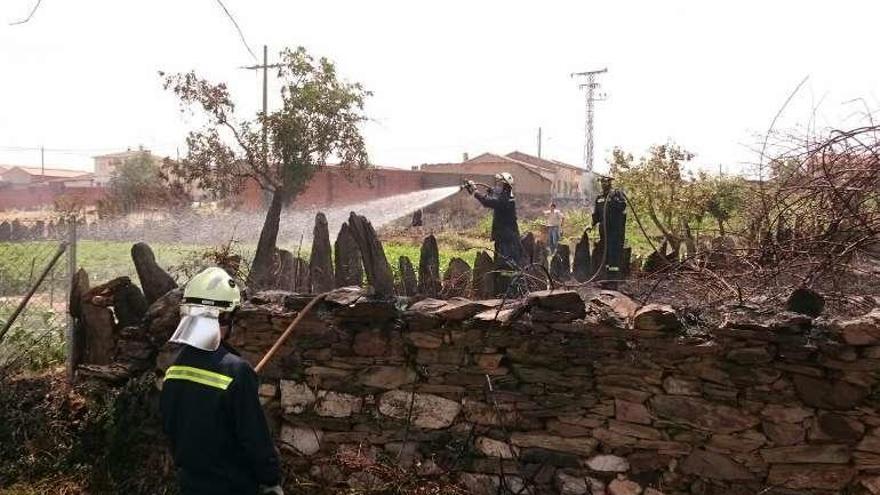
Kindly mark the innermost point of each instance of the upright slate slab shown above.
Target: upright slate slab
(321, 260)
(373, 255)
(347, 259)
(408, 281)
(456, 278)
(560, 267)
(286, 271)
(429, 268)
(154, 280)
(582, 266)
(528, 245)
(481, 282)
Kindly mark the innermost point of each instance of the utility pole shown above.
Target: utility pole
(539, 142)
(590, 85)
(265, 67)
(42, 162)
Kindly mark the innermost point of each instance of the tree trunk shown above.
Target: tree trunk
(264, 259)
(689, 241)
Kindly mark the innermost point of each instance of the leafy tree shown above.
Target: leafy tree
(673, 197)
(140, 182)
(280, 151)
(726, 195)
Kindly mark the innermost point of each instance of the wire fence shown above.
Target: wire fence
(37, 333)
(33, 310)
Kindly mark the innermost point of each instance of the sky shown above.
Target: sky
(453, 77)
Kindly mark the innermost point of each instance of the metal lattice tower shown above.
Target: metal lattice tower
(591, 87)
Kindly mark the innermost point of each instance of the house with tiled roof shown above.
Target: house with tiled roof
(19, 175)
(566, 177)
(529, 180)
(534, 176)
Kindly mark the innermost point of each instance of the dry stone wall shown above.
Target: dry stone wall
(557, 395)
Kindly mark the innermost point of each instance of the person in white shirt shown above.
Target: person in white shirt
(554, 220)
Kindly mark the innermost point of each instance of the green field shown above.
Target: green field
(105, 260)
(20, 263)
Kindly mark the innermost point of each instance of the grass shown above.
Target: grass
(35, 340)
(103, 260)
(394, 250)
(577, 220)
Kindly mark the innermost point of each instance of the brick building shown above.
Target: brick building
(18, 176)
(534, 176)
(330, 187)
(26, 188)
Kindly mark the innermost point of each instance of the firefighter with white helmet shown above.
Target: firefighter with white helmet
(210, 408)
(505, 230)
(609, 214)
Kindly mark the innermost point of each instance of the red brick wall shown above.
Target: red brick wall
(329, 187)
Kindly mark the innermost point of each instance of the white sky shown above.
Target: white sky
(449, 77)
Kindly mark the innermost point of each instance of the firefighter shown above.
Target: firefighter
(609, 213)
(210, 408)
(505, 230)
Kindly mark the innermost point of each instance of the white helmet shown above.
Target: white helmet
(505, 178)
(208, 294)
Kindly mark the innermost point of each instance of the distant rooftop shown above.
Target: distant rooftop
(47, 172)
(124, 154)
(540, 162)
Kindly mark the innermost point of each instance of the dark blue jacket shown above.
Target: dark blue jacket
(505, 230)
(219, 436)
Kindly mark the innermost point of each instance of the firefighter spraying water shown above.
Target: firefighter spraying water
(505, 230)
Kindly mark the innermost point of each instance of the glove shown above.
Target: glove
(273, 490)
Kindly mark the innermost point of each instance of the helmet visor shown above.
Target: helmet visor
(199, 327)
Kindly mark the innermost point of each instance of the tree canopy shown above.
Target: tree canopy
(316, 123)
(140, 182)
(674, 197)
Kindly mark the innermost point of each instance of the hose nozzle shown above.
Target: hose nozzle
(469, 185)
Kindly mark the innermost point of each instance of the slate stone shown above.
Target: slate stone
(824, 394)
(347, 259)
(712, 465)
(321, 277)
(408, 281)
(429, 268)
(154, 280)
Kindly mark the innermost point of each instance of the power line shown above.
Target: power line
(237, 28)
(56, 150)
(26, 19)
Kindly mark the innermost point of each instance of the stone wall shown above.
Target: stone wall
(555, 395)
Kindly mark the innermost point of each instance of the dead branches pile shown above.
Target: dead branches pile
(812, 220)
(820, 210)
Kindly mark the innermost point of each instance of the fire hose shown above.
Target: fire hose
(471, 186)
(641, 228)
